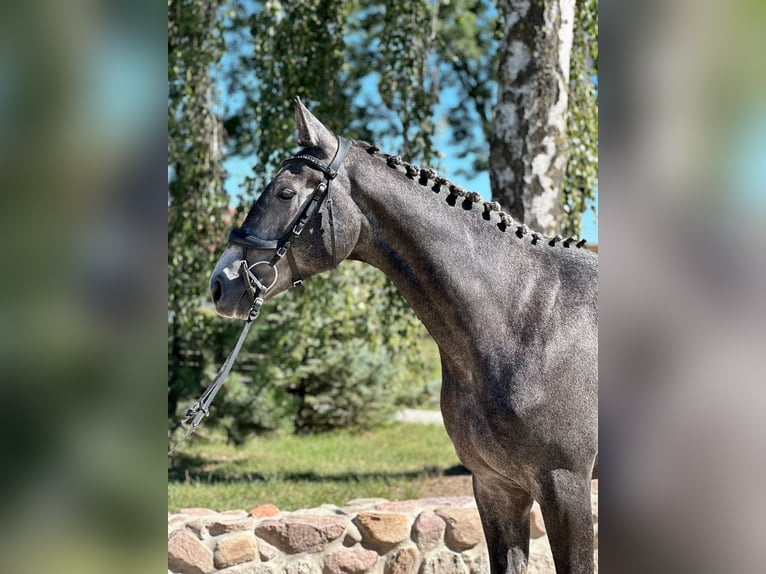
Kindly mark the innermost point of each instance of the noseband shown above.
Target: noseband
(322, 193)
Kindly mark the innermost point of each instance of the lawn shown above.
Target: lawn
(396, 462)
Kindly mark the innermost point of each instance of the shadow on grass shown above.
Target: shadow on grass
(184, 468)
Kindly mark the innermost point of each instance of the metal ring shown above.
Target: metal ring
(276, 273)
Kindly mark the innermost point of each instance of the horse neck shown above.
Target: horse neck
(459, 272)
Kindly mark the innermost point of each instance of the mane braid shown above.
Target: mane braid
(424, 176)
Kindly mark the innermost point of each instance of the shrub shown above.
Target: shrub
(338, 353)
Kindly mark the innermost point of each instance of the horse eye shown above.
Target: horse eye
(286, 193)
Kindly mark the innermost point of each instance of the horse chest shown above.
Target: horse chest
(491, 428)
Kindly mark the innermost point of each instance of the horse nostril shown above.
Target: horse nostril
(217, 290)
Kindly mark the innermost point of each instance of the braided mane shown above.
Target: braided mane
(428, 177)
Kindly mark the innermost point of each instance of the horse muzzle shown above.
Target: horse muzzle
(235, 287)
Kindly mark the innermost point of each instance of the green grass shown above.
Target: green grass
(393, 462)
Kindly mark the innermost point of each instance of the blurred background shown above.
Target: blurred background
(683, 182)
(82, 307)
(98, 269)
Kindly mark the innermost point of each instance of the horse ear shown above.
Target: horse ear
(311, 132)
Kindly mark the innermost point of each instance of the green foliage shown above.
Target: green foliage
(296, 49)
(325, 52)
(582, 120)
(195, 191)
(339, 352)
(336, 354)
(396, 42)
(467, 46)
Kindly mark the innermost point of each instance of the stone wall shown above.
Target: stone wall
(426, 536)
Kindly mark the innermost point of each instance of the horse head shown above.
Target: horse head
(304, 222)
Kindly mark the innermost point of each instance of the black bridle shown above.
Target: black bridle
(322, 194)
(256, 287)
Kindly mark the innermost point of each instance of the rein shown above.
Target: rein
(255, 286)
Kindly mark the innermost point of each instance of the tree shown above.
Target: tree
(279, 54)
(467, 47)
(196, 201)
(476, 50)
(582, 122)
(528, 151)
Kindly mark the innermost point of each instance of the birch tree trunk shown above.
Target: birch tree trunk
(528, 152)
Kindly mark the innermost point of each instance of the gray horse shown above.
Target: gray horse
(514, 314)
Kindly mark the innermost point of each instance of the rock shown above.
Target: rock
(477, 562)
(383, 531)
(536, 524)
(199, 527)
(443, 563)
(302, 567)
(399, 505)
(427, 530)
(247, 569)
(227, 525)
(197, 511)
(353, 536)
(296, 534)
(540, 557)
(234, 513)
(264, 511)
(463, 528)
(266, 551)
(351, 562)
(234, 549)
(595, 536)
(177, 518)
(365, 501)
(594, 504)
(186, 554)
(407, 505)
(403, 561)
